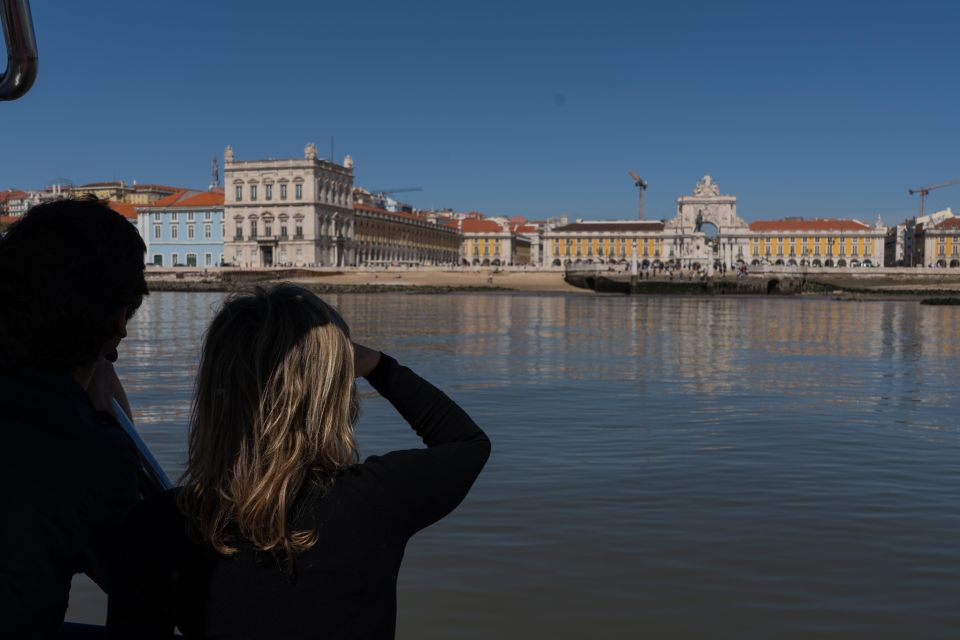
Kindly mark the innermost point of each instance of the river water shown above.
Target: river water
(662, 467)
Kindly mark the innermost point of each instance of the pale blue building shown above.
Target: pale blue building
(184, 229)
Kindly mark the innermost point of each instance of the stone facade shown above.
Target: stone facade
(288, 212)
(707, 234)
(398, 237)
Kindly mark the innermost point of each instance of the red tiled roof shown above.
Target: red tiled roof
(949, 223)
(167, 201)
(185, 198)
(128, 211)
(203, 199)
(825, 224)
(12, 194)
(519, 227)
(5, 220)
(479, 225)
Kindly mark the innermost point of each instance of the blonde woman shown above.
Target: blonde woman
(278, 531)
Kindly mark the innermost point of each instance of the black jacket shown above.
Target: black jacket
(345, 585)
(68, 476)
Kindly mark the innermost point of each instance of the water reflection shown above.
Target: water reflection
(674, 467)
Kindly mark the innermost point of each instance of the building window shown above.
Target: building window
(298, 191)
(156, 217)
(208, 260)
(253, 192)
(190, 231)
(253, 229)
(239, 193)
(156, 232)
(207, 231)
(173, 216)
(238, 234)
(190, 216)
(298, 230)
(191, 259)
(174, 231)
(157, 260)
(206, 215)
(299, 253)
(268, 191)
(175, 258)
(283, 191)
(283, 229)
(268, 228)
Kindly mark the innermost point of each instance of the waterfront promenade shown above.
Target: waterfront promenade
(894, 281)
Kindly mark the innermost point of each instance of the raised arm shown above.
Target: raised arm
(426, 484)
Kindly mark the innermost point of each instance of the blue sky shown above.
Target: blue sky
(812, 109)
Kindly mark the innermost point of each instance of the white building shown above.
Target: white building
(288, 212)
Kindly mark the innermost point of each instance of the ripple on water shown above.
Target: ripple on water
(661, 466)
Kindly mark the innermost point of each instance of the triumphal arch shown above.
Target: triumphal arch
(706, 232)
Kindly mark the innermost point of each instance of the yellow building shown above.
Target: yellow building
(605, 242)
(398, 237)
(826, 242)
(137, 194)
(941, 244)
(489, 242)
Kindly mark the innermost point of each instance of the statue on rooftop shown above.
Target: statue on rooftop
(706, 187)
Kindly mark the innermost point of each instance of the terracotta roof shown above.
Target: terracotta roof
(12, 194)
(5, 220)
(949, 223)
(520, 227)
(645, 225)
(202, 199)
(517, 219)
(185, 198)
(128, 211)
(167, 201)
(480, 225)
(824, 224)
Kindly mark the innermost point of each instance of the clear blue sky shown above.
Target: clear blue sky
(798, 108)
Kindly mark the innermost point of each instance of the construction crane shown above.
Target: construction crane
(641, 184)
(923, 191)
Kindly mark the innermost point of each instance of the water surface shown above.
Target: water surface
(662, 467)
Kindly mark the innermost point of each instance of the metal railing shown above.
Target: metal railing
(22, 58)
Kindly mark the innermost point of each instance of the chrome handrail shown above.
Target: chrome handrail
(22, 58)
(155, 473)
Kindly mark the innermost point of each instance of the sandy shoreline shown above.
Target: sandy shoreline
(530, 281)
(439, 281)
(377, 281)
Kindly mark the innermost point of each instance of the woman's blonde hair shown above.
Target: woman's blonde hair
(274, 411)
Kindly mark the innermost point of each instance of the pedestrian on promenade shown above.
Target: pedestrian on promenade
(278, 531)
(71, 276)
